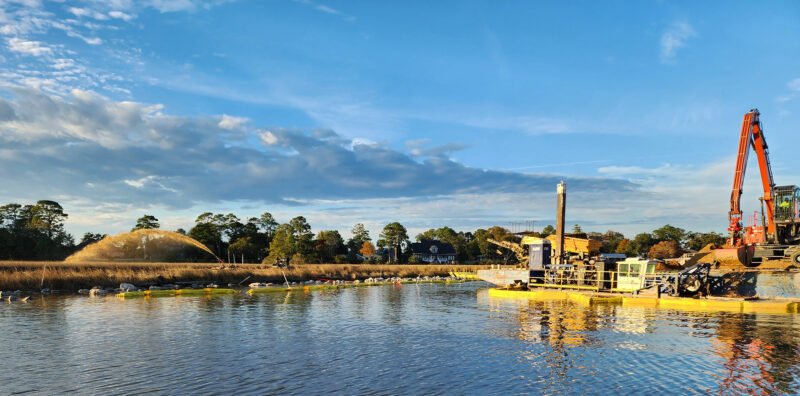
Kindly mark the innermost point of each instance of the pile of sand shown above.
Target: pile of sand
(705, 255)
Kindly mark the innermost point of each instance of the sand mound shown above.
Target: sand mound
(147, 245)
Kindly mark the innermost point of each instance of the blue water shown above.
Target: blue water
(410, 339)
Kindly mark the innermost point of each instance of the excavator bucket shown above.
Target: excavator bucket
(732, 257)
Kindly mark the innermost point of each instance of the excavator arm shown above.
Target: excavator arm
(518, 250)
(751, 135)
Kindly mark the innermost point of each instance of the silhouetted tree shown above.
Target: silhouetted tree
(91, 238)
(146, 222)
(393, 235)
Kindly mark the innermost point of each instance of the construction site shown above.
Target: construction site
(757, 268)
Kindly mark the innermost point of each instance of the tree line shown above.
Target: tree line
(36, 232)
(664, 242)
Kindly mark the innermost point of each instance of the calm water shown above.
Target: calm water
(431, 339)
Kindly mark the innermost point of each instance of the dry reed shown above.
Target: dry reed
(27, 275)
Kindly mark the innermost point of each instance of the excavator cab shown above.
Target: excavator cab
(787, 199)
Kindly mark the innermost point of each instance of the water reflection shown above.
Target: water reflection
(744, 353)
(411, 339)
(756, 352)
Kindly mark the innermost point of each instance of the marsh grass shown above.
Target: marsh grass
(59, 275)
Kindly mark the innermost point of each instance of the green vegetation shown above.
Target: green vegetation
(36, 232)
(665, 242)
(393, 236)
(146, 222)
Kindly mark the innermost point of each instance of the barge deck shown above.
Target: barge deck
(705, 304)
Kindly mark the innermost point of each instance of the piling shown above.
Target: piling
(560, 213)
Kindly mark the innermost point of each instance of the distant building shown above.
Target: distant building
(433, 252)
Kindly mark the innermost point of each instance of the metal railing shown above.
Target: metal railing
(586, 279)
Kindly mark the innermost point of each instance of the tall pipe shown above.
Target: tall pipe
(560, 213)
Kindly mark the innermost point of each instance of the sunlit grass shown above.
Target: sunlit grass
(28, 275)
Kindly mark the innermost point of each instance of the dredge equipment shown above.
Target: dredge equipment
(778, 235)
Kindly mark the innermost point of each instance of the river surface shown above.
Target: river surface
(409, 339)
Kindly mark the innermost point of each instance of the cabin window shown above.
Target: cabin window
(635, 268)
(623, 269)
(651, 268)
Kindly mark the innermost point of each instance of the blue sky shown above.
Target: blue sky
(430, 113)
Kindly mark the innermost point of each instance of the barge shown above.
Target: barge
(585, 275)
(637, 282)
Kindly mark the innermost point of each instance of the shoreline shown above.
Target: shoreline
(33, 276)
(263, 288)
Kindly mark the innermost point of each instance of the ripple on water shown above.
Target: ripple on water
(433, 339)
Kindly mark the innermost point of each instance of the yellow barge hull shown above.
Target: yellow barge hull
(679, 303)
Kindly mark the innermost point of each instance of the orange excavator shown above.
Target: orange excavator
(778, 236)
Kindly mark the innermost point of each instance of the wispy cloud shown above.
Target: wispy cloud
(29, 47)
(675, 38)
(121, 15)
(34, 57)
(87, 12)
(695, 195)
(421, 148)
(794, 88)
(326, 9)
(530, 124)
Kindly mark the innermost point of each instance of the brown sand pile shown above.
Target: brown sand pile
(705, 255)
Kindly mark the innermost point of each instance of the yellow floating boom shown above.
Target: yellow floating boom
(174, 293)
(278, 289)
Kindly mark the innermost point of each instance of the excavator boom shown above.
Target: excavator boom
(751, 136)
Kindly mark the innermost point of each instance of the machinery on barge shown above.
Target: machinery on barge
(778, 235)
(565, 262)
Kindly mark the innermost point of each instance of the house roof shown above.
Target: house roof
(424, 247)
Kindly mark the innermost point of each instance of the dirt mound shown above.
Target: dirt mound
(705, 255)
(730, 263)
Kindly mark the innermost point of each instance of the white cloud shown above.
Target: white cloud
(138, 183)
(148, 180)
(121, 15)
(690, 196)
(63, 63)
(268, 138)
(231, 123)
(674, 38)
(29, 47)
(87, 12)
(418, 148)
(326, 9)
(527, 124)
(131, 153)
(794, 85)
(88, 40)
(27, 26)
